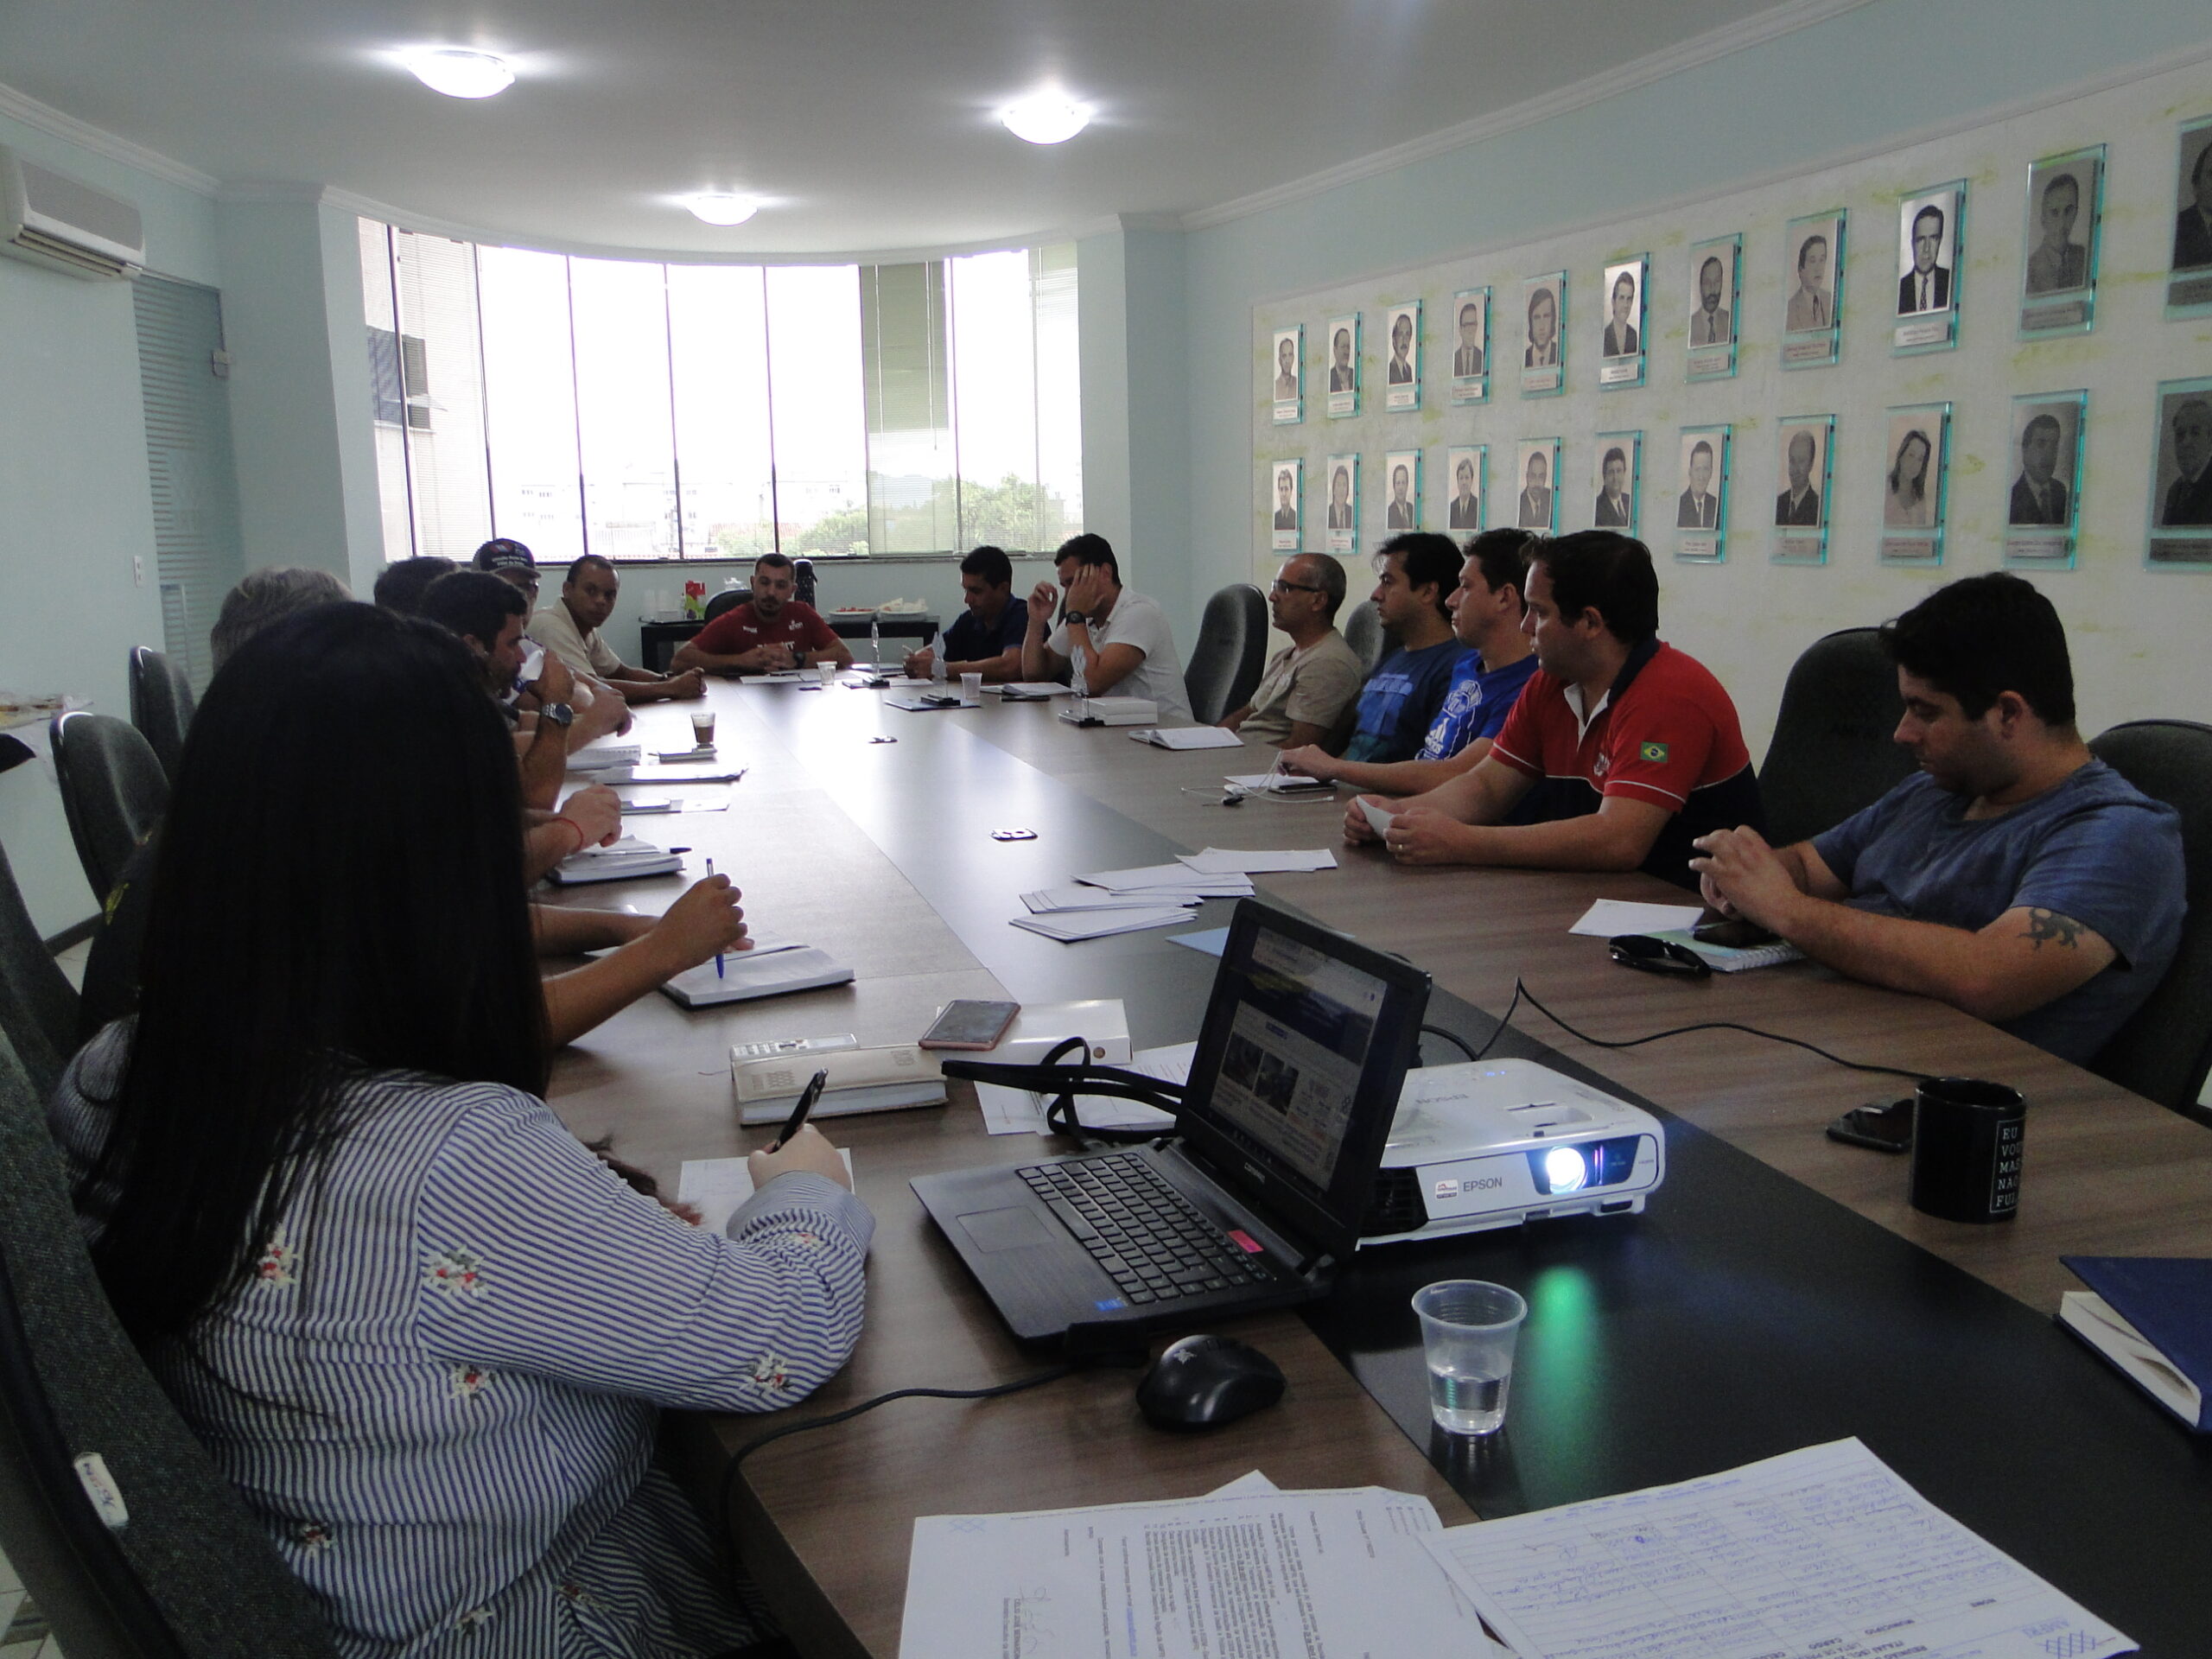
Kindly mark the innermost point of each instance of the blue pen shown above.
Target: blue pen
(718, 955)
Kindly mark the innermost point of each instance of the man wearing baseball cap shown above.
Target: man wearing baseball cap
(511, 562)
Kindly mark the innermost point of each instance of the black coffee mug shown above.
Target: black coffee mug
(1967, 1139)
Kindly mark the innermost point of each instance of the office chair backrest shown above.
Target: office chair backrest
(2165, 1050)
(161, 705)
(728, 600)
(1363, 630)
(803, 575)
(189, 1573)
(38, 1005)
(1231, 652)
(113, 791)
(1834, 749)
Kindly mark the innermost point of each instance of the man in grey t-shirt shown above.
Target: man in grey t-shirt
(2017, 877)
(1311, 681)
(1110, 639)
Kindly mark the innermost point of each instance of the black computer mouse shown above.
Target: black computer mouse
(1206, 1382)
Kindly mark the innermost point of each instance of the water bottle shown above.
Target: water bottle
(875, 644)
(936, 648)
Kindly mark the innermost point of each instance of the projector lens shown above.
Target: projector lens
(1564, 1170)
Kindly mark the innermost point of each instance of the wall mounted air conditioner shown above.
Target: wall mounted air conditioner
(53, 220)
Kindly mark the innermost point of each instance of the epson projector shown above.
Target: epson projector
(1496, 1143)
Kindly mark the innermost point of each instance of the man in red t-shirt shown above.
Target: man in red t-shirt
(1624, 750)
(771, 630)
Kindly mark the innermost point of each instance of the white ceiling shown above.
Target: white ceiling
(868, 123)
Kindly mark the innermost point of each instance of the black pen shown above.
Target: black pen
(797, 1121)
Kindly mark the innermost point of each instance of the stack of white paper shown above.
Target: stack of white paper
(1238, 861)
(1070, 925)
(624, 859)
(1045, 901)
(1189, 737)
(1029, 689)
(1021, 1111)
(1278, 783)
(1170, 883)
(1610, 918)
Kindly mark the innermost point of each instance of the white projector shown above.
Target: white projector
(1494, 1144)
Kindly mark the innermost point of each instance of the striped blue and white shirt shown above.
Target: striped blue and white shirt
(439, 1393)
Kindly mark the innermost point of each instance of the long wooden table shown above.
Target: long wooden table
(881, 852)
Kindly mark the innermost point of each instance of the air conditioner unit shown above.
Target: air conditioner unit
(53, 220)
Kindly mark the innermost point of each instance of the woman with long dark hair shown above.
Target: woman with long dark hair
(420, 1325)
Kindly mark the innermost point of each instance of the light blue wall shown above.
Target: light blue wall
(1859, 80)
(75, 505)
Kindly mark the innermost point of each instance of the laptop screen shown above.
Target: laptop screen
(1296, 1080)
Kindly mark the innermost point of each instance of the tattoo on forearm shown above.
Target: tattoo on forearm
(2049, 927)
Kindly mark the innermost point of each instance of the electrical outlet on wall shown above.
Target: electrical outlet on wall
(138, 569)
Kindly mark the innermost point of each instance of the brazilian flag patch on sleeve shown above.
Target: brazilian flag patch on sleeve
(1654, 753)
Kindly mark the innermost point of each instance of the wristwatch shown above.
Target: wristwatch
(559, 713)
(1074, 616)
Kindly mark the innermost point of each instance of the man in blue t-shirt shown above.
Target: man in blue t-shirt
(986, 638)
(2017, 877)
(1486, 610)
(1400, 701)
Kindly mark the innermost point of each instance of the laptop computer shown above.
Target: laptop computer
(1257, 1192)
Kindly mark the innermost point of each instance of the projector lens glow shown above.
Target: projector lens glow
(723, 209)
(1046, 118)
(1564, 1170)
(459, 73)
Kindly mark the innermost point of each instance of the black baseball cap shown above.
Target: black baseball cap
(503, 553)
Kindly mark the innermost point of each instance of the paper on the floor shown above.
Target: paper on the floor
(1610, 918)
(1070, 925)
(1820, 1551)
(718, 1186)
(1021, 1111)
(1234, 860)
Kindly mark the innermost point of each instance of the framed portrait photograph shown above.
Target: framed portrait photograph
(1621, 355)
(1401, 482)
(1715, 270)
(1812, 313)
(2058, 270)
(1288, 501)
(1401, 368)
(1929, 273)
(1344, 366)
(1466, 466)
(1288, 357)
(1536, 468)
(1918, 447)
(1342, 531)
(2189, 286)
(1701, 503)
(2181, 477)
(2043, 502)
(1804, 445)
(1471, 346)
(1619, 457)
(1543, 353)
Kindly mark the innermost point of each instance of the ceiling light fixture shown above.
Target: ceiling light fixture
(1045, 119)
(459, 73)
(715, 209)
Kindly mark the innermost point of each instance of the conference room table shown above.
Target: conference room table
(1778, 1291)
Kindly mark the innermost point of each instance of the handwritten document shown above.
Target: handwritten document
(1240, 1575)
(1822, 1553)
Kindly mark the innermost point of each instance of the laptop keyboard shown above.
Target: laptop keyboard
(1153, 1242)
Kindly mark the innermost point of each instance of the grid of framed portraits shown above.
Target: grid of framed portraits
(1344, 366)
(1341, 530)
(1912, 488)
(1290, 506)
(2044, 504)
(1402, 369)
(2181, 477)
(1621, 344)
(1614, 480)
(1701, 504)
(1289, 389)
(1715, 272)
(1466, 466)
(1536, 468)
(1805, 446)
(1543, 356)
(1471, 347)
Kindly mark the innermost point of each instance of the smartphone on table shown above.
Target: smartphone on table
(1886, 1127)
(970, 1024)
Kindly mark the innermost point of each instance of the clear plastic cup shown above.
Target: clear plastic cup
(703, 728)
(971, 690)
(826, 672)
(1469, 1329)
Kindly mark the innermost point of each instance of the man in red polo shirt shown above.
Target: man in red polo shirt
(1626, 749)
(770, 630)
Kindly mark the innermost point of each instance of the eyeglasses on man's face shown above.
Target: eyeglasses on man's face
(1278, 586)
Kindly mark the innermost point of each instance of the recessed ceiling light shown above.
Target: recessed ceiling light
(459, 73)
(1045, 119)
(721, 209)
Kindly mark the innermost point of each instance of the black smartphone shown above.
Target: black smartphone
(970, 1023)
(1733, 933)
(1884, 1127)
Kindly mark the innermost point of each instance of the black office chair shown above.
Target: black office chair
(1362, 632)
(728, 599)
(2165, 1052)
(187, 1574)
(113, 791)
(161, 705)
(38, 1005)
(1834, 749)
(1231, 652)
(803, 580)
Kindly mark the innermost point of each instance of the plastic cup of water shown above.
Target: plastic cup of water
(826, 672)
(1468, 1332)
(971, 690)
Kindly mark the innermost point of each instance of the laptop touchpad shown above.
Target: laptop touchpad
(1003, 1230)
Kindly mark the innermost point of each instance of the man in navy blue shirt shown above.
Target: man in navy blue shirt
(986, 640)
(2017, 876)
(1414, 572)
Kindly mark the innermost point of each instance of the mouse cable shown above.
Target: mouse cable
(1521, 990)
(1456, 1040)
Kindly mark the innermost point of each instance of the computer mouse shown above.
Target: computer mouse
(1206, 1381)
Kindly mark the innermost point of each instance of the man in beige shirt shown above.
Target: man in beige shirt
(1311, 681)
(569, 626)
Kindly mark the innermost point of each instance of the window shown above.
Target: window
(646, 411)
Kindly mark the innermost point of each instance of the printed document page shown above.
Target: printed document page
(1822, 1553)
(1271, 1575)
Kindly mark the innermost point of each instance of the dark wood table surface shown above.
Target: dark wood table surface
(878, 853)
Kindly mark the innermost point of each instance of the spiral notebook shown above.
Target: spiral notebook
(1728, 959)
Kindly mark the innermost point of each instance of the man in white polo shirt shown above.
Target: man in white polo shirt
(569, 626)
(1110, 640)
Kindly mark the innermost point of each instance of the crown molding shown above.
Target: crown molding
(47, 120)
(1700, 49)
